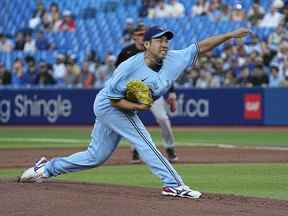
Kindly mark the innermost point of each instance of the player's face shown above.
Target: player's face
(158, 47)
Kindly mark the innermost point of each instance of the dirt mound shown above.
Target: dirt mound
(74, 199)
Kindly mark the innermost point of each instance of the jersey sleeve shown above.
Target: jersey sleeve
(178, 60)
(116, 86)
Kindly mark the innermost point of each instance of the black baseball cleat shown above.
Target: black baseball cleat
(171, 154)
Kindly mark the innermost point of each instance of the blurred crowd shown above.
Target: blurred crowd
(52, 19)
(253, 62)
(32, 38)
(65, 72)
(216, 10)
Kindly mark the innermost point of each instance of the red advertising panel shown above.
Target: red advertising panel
(253, 106)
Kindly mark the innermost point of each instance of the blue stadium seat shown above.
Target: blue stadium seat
(104, 32)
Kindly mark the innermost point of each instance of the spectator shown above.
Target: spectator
(71, 78)
(5, 76)
(86, 78)
(40, 9)
(19, 41)
(279, 4)
(259, 78)
(72, 65)
(47, 22)
(105, 70)
(253, 45)
(215, 13)
(275, 78)
(276, 37)
(271, 19)
(143, 10)
(217, 72)
(6, 44)
(37, 16)
(68, 23)
(251, 59)
(237, 13)
(92, 61)
(17, 73)
(30, 43)
(226, 14)
(54, 12)
(128, 31)
(281, 57)
(161, 10)
(30, 76)
(203, 80)
(216, 80)
(59, 69)
(53, 18)
(177, 9)
(267, 54)
(229, 79)
(34, 22)
(244, 79)
(284, 82)
(185, 79)
(44, 77)
(285, 13)
(256, 13)
(192, 76)
(42, 42)
(200, 8)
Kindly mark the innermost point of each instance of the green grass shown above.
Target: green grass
(259, 180)
(79, 137)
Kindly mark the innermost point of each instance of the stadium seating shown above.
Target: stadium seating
(102, 30)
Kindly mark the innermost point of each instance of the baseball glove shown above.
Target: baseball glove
(137, 91)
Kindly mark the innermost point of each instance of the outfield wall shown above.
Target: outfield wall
(237, 106)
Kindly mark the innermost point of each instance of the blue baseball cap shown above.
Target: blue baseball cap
(157, 32)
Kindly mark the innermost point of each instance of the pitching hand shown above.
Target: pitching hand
(241, 32)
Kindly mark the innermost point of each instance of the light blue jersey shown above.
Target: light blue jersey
(112, 124)
(135, 68)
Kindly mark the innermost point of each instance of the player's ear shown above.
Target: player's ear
(146, 44)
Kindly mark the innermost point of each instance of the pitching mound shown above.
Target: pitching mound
(74, 199)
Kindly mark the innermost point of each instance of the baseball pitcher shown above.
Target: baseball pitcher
(116, 116)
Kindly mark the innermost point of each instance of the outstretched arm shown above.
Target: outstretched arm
(211, 42)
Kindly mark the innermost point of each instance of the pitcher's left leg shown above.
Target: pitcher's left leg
(130, 127)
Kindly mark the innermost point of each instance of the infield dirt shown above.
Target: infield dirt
(74, 199)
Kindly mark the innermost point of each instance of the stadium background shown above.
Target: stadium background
(247, 162)
(83, 54)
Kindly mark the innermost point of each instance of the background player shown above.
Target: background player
(115, 116)
(159, 106)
